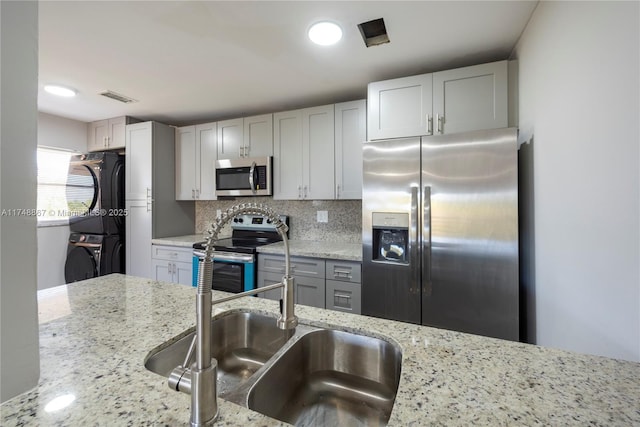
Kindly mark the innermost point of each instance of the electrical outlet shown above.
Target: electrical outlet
(218, 213)
(323, 216)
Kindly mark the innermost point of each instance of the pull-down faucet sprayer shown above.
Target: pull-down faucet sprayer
(200, 378)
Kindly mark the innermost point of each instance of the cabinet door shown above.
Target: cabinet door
(182, 273)
(309, 291)
(117, 132)
(266, 279)
(138, 161)
(185, 160)
(258, 136)
(287, 155)
(343, 296)
(97, 135)
(318, 153)
(230, 139)
(350, 134)
(206, 156)
(400, 107)
(162, 271)
(470, 98)
(138, 241)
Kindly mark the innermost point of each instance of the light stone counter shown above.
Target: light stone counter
(182, 241)
(313, 249)
(95, 334)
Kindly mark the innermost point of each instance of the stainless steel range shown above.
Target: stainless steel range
(234, 258)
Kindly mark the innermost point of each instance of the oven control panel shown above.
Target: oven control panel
(256, 222)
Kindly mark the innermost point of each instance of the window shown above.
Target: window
(53, 166)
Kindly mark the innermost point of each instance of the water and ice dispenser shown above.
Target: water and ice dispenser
(390, 237)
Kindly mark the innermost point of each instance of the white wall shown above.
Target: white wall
(579, 99)
(57, 132)
(60, 132)
(19, 356)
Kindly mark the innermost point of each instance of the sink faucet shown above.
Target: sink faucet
(199, 379)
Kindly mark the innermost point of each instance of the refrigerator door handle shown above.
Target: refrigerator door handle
(414, 263)
(426, 242)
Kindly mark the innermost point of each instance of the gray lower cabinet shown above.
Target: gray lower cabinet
(266, 279)
(319, 283)
(308, 274)
(343, 288)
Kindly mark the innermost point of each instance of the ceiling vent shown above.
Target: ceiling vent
(374, 32)
(113, 95)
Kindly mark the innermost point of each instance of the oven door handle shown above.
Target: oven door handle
(226, 256)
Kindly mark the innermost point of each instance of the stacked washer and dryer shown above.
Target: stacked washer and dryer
(95, 198)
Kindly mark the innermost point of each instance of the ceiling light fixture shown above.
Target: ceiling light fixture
(325, 33)
(60, 90)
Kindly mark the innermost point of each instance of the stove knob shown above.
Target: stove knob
(235, 219)
(269, 221)
(82, 238)
(240, 220)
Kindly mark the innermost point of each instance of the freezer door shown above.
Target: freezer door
(390, 218)
(470, 232)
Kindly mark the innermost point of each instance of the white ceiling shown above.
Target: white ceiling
(193, 61)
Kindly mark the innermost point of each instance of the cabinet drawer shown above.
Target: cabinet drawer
(300, 266)
(343, 296)
(344, 271)
(172, 253)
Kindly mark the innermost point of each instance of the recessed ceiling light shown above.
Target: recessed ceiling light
(60, 90)
(325, 33)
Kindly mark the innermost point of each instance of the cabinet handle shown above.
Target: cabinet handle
(299, 192)
(149, 199)
(241, 151)
(193, 193)
(104, 141)
(305, 191)
(197, 193)
(440, 120)
(338, 191)
(342, 300)
(429, 125)
(246, 151)
(342, 274)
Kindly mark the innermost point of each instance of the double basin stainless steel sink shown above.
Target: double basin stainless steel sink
(310, 376)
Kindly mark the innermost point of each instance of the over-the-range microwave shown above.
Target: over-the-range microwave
(244, 177)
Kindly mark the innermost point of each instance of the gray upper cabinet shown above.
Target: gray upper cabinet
(258, 136)
(246, 137)
(230, 139)
(108, 134)
(304, 154)
(463, 99)
(350, 134)
(196, 152)
(399, 107)
(470, 98)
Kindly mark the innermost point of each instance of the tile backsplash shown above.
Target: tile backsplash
(344, 225)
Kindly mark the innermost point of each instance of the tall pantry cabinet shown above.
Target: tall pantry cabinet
(152, 210)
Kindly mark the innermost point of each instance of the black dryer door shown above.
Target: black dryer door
(81, 264)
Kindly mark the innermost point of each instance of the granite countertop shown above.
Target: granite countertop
(182, 241)
(95, 334)
(307, 248)
(313, 249)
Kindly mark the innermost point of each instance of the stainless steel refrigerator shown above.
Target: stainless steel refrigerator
(440, 231)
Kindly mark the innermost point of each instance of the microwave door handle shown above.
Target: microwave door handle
(251, 181)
